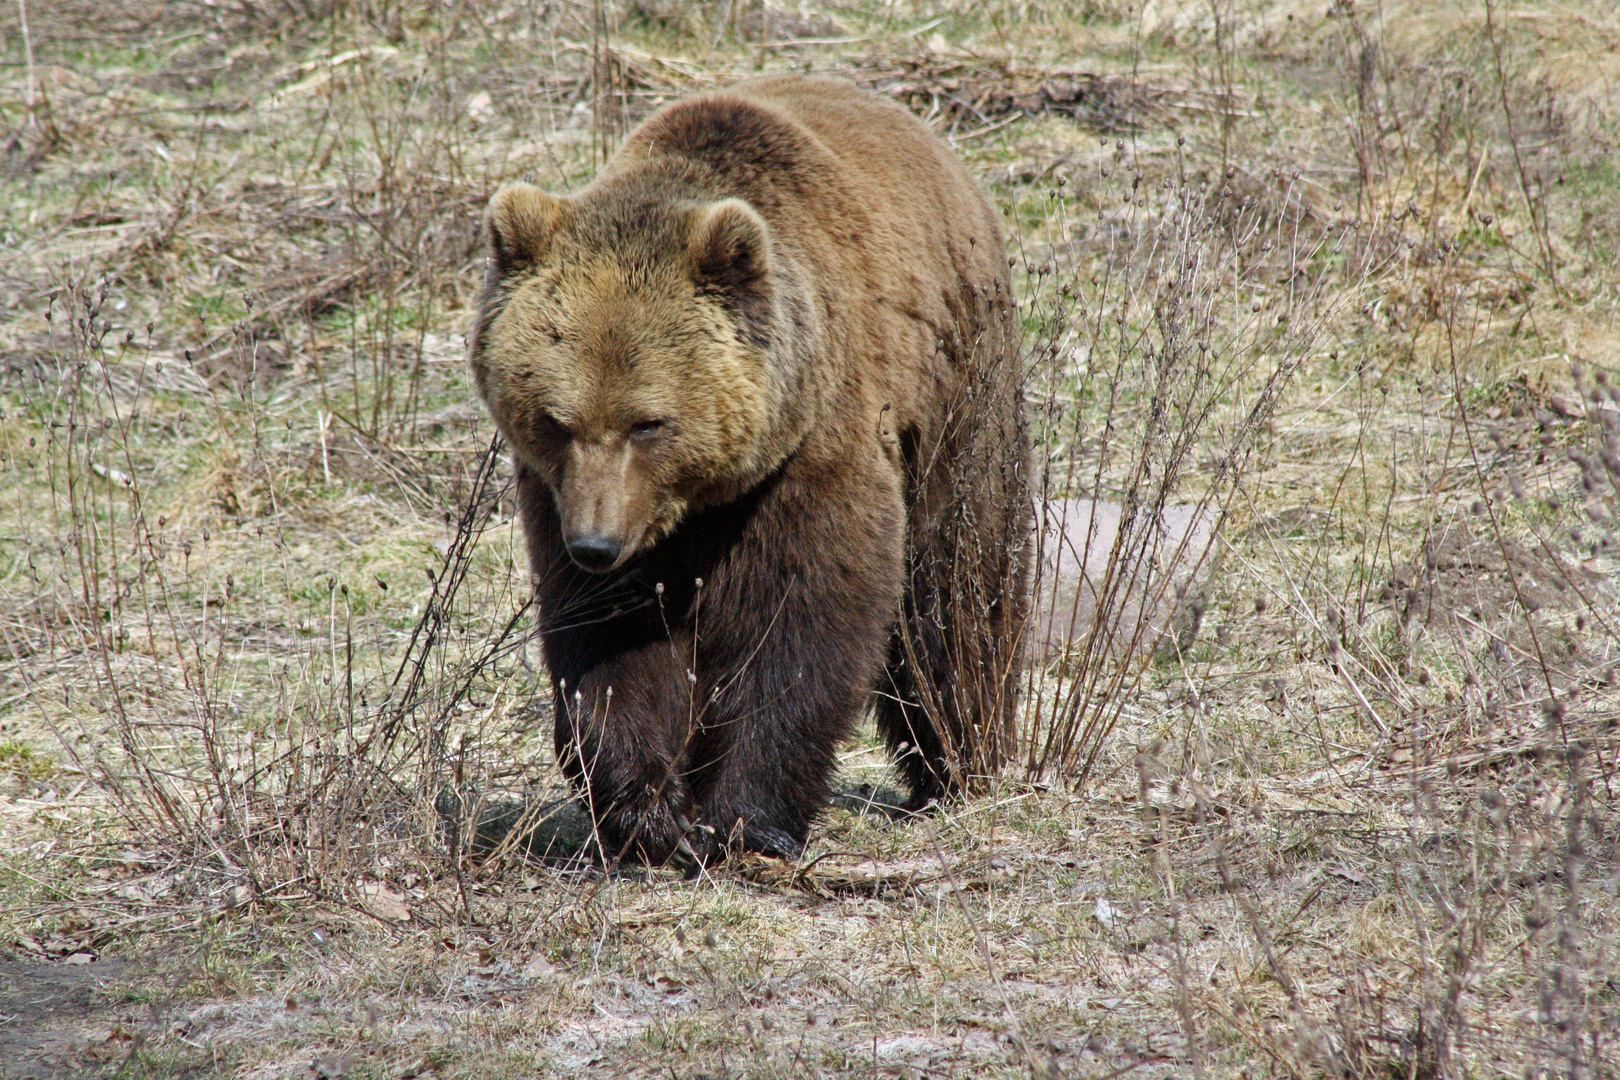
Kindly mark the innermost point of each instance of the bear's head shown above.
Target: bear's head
(627, 350)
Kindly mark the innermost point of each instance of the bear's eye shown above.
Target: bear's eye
(646, 430)
(547, 427)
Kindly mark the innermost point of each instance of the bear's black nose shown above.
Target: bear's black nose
(594, 552)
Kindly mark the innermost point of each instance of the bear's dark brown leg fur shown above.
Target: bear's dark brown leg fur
(638, 790)
(806, 622)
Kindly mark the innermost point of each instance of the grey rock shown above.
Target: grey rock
(1140, 591)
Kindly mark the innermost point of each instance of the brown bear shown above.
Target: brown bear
(761, 381)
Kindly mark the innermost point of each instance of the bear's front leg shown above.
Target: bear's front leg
(624, 734)
(791, 634)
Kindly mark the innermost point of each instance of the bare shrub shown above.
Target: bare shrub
(1167, 330)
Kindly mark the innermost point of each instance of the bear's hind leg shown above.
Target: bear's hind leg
(903, 722)
(947, 706)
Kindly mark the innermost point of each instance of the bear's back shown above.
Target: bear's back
(830, 162)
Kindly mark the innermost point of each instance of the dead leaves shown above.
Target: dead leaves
(978, 93)
(379, 900)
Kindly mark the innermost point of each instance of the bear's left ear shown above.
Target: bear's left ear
(730, 245)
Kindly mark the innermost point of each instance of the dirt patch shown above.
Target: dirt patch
(56, 1021)
(1489, 577)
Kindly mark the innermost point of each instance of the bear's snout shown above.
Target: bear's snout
(594, 552)
(601, 503)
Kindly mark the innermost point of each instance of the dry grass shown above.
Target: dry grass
(1342, 274)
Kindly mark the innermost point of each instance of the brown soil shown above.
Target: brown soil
(57, 1022)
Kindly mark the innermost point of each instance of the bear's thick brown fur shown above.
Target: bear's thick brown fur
(762, 384)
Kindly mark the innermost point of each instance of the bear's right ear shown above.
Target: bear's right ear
(522, 221)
